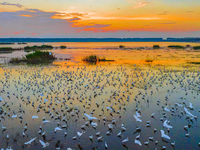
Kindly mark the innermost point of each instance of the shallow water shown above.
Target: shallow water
(66, 88)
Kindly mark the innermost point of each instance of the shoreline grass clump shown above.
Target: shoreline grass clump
(121, 46)
(94, 58)
(63, 47)
(156, 46)
(91, 58)
(35, 57)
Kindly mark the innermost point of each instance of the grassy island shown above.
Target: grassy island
(36, 48)
(35, 57)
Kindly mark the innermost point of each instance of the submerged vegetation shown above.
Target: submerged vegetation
(36, 57)
(94, 58)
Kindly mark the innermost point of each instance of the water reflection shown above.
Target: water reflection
(112, 93)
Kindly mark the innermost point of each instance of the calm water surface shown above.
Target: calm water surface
(69, 91)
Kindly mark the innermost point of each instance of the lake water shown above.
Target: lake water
(61, 92)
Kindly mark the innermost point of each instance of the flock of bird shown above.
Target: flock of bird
(98, 107)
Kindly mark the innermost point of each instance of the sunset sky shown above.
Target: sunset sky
(99, 18)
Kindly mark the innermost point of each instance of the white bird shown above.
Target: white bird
(34, 117)
(4, 128)
(57, 128)
(45, 121)
(138, 136)
(91, 137)
(94, 124)
(45, 100)
(29, 142)
(8, 148)
(173, 144)
(137, 119)
(80, 133)
(1, 99)
(99, 138)
(23, 134)
(187, 112)
(44, 144)
(138, 142)
(163, 135)
(125, 140)
(166, 109)
(119, 134)
(109, 108)
(14, 116)
(106, 145)
(98, 133)
(110, 126)
(166, 125)
(43, 134)
(89, 117)
(74, 138)
(179, 105)
(190, 106)
(137, 114)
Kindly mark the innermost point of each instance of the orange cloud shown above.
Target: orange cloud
(26, 15)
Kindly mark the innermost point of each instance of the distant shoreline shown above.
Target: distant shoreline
(31, 40)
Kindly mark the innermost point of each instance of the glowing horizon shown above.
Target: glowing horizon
(91, 18)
